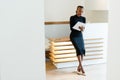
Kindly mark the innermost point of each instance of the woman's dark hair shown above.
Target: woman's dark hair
(80, 7)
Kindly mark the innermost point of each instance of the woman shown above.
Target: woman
(76, 37)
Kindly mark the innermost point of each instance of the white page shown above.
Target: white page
(77, 25)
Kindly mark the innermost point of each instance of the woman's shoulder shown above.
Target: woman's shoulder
(75, 16)
(83, 17)
(72, 16)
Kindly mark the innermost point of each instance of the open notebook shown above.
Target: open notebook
(77, 25)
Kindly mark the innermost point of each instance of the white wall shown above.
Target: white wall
(60, 10)
(22, 40)
(113, 67)
(96, 4)
(97, 16)
(96, 11)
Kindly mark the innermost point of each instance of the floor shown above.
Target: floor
(93, 72)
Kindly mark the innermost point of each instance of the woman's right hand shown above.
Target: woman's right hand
(81, 28)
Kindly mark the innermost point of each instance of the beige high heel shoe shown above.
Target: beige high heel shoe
(79, 71)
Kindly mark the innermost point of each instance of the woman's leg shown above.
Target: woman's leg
(80, 67)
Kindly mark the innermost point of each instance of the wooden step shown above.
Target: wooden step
(68, 39)
(70, 44)
(71, 59)
(71, 47)
(73, 51)
(72, 55)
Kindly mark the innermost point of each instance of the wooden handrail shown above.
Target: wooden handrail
(56, 22)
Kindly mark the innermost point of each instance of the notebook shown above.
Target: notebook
(77, 25)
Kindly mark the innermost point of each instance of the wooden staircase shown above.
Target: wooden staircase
(63, 54)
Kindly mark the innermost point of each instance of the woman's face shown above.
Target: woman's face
(79, 11)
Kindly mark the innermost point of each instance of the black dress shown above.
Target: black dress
(76, 37)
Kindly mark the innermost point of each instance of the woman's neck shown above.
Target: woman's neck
(78, 15)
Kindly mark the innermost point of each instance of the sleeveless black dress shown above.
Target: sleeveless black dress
(76, 37)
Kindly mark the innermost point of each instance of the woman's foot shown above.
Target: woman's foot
(83, 70)
(79, 68)
(80, 71)
(83, 74)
